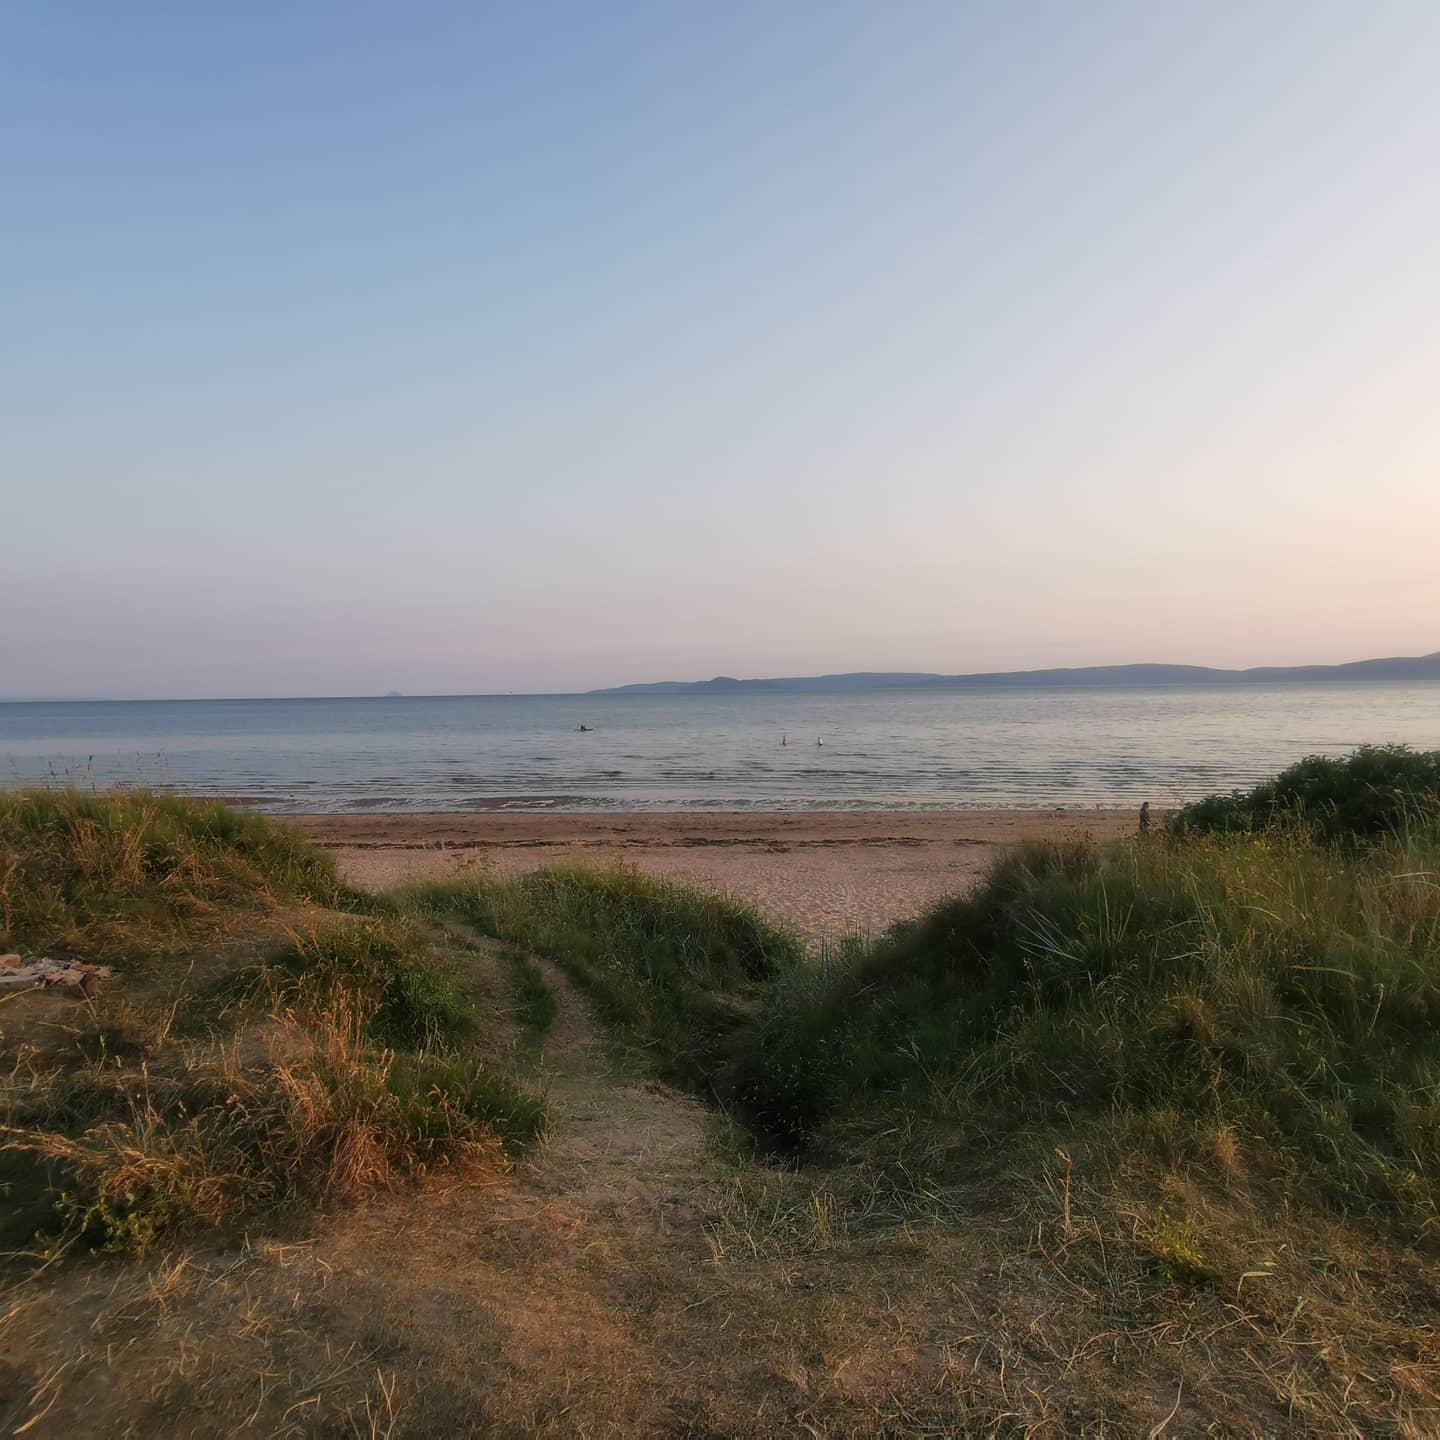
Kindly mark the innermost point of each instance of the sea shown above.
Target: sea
(899, 749)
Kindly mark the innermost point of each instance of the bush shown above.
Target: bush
(1279, 991)
(1378, 790)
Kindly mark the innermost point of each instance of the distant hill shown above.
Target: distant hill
(1416, 667)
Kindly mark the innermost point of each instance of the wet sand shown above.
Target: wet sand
(828, 873)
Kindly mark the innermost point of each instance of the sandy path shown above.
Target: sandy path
(827, 873)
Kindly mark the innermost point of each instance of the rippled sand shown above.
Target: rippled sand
(826, 873)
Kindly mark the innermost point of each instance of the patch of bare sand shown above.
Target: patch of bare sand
(826, 873)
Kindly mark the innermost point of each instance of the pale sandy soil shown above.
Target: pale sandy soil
(826, 873)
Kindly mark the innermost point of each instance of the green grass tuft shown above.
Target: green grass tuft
(114, 871)
(535, 1004)
(410, 1000)
(670, 968)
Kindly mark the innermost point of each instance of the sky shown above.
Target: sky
(461, 347)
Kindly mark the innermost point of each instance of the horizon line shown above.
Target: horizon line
(746, 680)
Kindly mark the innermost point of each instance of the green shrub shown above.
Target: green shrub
(1378, 790)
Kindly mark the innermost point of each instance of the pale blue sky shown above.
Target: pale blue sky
(458, 347)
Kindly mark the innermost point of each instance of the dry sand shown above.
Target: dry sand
(827, 873)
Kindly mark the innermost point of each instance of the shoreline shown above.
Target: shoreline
(828, 873)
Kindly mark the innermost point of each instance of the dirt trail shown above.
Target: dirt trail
(611, 1137)
(567, 1296)
(552, 1279)
(633, 1276)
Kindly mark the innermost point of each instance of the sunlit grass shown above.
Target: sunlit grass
(116, 871)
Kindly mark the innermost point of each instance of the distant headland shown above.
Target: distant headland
(1399, 667)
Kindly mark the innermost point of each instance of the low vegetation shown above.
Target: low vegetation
(331, 1064)
(114, 875)
(1379, 790)
(1132, 1139)
(1245, 1005)
(674, 971)
(1194, 1079)
(413, 1001)
(203, 1136)
(535, 1005)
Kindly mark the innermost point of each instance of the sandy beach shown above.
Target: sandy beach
(827, 873)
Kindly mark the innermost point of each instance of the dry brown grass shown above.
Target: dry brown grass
(176, 1105)
(643, 1272)
(119, 876)
(196, 1135)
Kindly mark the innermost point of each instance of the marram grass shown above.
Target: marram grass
(1260, 993)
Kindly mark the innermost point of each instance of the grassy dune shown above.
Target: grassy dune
(126, 872)
(1132, 1136)
(1257, 1004)
(1198, 1075)
(271, 1051)
(676, 972)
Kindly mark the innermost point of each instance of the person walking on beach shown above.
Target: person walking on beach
(1144, 817)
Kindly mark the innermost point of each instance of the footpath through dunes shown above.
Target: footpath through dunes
(826, 873)
(486, 1300)
(1131, 1140)
(640, 1274)
(637, 1274)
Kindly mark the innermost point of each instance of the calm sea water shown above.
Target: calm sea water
(884, 750)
